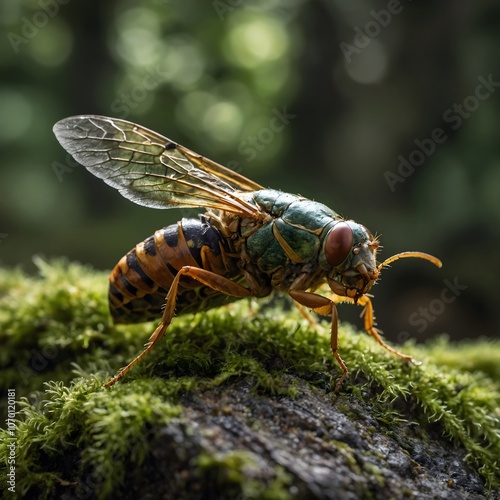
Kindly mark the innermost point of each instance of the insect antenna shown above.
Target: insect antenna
(405, 255)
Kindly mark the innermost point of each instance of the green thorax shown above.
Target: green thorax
(293, 234)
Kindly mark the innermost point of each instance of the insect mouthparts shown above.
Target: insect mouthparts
(363, 271)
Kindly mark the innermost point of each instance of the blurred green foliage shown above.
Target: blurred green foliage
(320, 98)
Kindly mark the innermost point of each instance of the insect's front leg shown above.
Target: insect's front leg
(207, 278)
(324, 306)
(369, 324)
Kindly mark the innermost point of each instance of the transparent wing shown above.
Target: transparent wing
(150, 169)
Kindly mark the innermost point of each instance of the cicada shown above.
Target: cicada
(249, 242)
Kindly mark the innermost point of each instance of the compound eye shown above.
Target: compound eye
(338, 244)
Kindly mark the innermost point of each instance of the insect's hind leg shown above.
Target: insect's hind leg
(207, 278)
(369, 324)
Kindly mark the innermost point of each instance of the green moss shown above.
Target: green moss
(375, 472)
(469, 356)
(59, 320)
(347, 452)
(239, 468)
(82, 418)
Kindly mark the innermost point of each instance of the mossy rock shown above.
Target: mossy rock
(237, 402)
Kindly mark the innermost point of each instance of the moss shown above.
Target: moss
(471, 356)
(347, 452)
(375, 472)
(241, 469)
(55, 323)
(82, 418)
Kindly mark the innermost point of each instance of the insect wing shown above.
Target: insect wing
(150, 169)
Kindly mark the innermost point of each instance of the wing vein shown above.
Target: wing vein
(150, 169)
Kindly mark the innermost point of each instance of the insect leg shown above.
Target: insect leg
(324, 306)
(369, 323)
(305, 313)
(207, 278)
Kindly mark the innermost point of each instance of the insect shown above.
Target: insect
(250, 240)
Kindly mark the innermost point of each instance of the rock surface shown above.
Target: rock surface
(313, 446)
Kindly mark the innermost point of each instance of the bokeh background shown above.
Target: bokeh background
(322, 98)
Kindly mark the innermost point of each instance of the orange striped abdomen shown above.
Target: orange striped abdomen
(139, 283)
